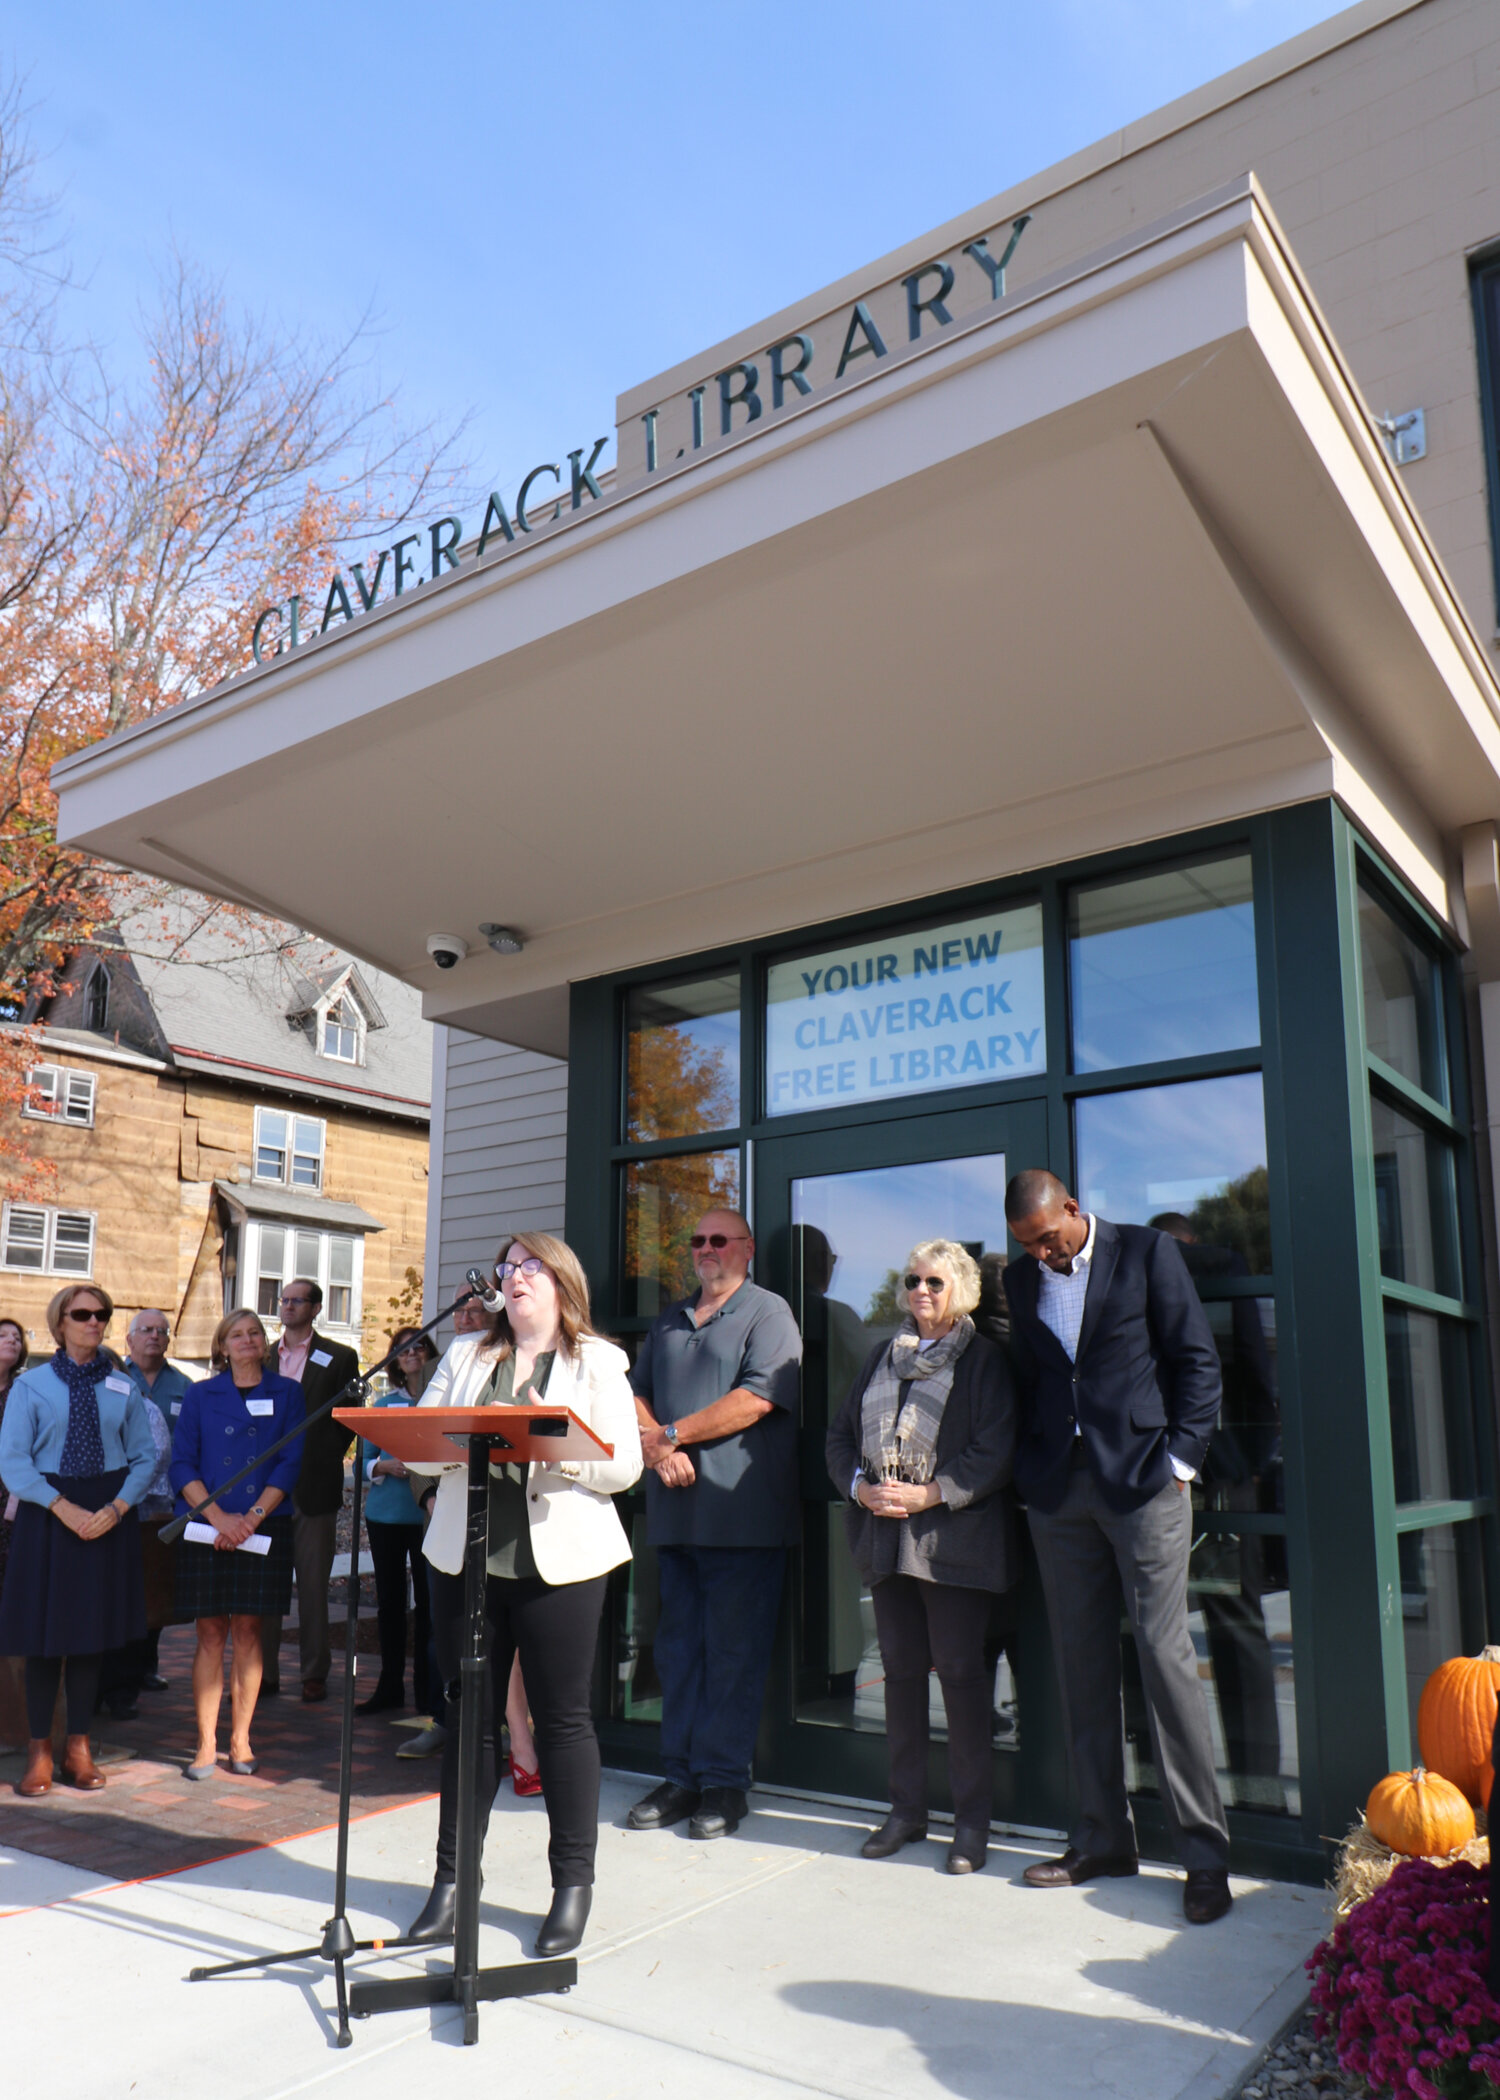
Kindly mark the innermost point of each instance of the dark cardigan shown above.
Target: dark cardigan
(969, 1539)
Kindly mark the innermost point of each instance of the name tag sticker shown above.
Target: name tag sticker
(118, 1385)
(320, 1356)
(261, 1407)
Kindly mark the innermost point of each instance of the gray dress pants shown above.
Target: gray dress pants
(312, 1556)
(1092, 1560)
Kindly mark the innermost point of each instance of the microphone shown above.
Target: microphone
(478, 1288)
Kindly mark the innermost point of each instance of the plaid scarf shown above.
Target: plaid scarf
(902, 1410)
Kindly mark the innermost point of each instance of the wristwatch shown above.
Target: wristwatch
(258, 1512)
(669, 1431)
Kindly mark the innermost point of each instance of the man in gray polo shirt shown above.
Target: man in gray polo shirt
(716, 1388)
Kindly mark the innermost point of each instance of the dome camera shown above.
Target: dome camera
(446, 949)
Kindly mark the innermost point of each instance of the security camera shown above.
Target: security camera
(446, 949)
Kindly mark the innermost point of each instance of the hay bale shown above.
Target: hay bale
(1364, 1864)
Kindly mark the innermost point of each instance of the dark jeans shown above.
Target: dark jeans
(712, 1650)
(555, 1628)
(392, 1548)
(926, 1626)
(80, 1676)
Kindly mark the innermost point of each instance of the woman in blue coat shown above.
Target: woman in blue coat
(75, 1447)
(229, 1584)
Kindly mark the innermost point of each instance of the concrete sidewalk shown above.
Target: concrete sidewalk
(774, 1963)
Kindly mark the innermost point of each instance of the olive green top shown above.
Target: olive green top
(510, 1552)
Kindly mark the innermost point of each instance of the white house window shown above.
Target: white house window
(49, 1242)
(342, 1031)
(96, 1000)
(288, 1149)
(334, 1260)
(58, 1095)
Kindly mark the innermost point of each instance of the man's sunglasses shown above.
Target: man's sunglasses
(94, 1313)
(936, 1284)
(717, 1240)
(532, 1266)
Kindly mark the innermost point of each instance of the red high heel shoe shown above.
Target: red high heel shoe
(523, 1781)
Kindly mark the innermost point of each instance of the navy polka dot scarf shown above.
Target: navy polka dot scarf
(83, 1446)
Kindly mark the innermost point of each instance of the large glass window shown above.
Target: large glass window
(1416, 1202)
(1188, 1158)
(907, 1013)
(664, 1199)
(1432, 1432)
(1162, 965)
(1442, 1601)
(1402, 998)
(682, 1058)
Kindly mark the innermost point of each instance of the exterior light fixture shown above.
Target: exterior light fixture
(503, 939)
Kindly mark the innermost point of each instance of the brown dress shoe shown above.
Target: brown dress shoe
(1074, 1866)
(79, 1768)
(37, 1778)
(313, 1689)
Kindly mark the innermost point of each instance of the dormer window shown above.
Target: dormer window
(341, 1031)
(96, 1000)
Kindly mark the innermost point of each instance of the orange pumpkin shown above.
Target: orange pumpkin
(1456, 1722)
(1419, 1814)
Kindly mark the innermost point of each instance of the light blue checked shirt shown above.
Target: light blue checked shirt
(1060, 1295)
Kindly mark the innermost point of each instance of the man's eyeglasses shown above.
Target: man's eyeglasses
(717, 1240)
(93, 1312)
(936, 1284)
(288, 1299)
(532, 1266)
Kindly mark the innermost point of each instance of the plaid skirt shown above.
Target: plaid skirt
(215, 1585)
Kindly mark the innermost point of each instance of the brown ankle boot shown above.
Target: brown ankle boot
(79, 1768)
(38, 1775)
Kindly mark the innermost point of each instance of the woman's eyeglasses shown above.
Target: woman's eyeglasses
(410, 1349)
(532, 1266)
(935, 1284)
(717, 1240)
(92, 1313)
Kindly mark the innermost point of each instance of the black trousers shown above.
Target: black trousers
(555, 1629)
(926, 1626)
(392, 1548)
(79, 1676)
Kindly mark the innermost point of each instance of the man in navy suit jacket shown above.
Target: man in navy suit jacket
(1120, 1392)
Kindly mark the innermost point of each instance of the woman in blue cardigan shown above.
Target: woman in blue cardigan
(227, 1586)
(76, 1448)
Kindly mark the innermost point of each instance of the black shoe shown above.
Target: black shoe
(564, 1923)
(720, 1812)
(1075, 1866)
(1205, 1895)
(969, 1850)
(435, 1920)
(893, 1833)
(272, 1690)
(121, 1709)
(155, 1682)
(664, 1805)
(380, 1702)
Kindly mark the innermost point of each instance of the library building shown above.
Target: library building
(1034, 702)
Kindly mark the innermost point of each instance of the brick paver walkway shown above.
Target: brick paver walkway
(151, 1819)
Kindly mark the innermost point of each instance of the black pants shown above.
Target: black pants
(392, 1548)
(555, 1629)
(926, 1626)
(80, 1675)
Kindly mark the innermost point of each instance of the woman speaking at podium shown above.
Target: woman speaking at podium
(553, 1538)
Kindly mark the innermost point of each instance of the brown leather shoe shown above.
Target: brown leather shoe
(1074, 1866)
(37, 1778)
(79, 1768)
(313, 1689)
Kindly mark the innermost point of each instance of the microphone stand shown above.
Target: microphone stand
(338, 1941)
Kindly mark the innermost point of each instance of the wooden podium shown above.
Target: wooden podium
(476, 1435)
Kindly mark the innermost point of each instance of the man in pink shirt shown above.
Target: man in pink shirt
(322, 1368)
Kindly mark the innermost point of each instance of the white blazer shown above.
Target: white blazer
(575, 1533)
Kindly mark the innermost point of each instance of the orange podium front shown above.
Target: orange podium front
(439, 1436)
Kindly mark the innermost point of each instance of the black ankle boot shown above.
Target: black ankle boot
(565, 1921)
(436, 1919)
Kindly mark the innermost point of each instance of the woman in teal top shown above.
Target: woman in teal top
(394, 1525)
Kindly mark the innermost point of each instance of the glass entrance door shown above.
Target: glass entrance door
(837, 1214)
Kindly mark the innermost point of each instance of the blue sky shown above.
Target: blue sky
(545, 205)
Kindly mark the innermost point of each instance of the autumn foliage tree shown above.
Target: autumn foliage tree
(140, 525)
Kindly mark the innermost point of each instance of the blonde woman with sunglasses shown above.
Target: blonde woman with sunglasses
(76, 1450)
